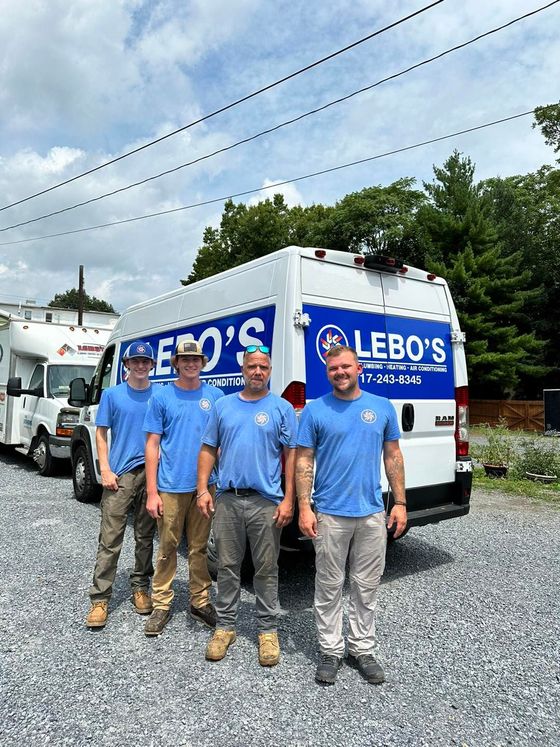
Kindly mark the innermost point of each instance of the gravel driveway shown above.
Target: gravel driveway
(469, 627)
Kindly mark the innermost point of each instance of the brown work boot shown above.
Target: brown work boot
(269, 649)
(156, 622)
(97, 615)
(142, 602)
(219, 643)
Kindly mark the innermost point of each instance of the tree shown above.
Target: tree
(490, 290)
(548, 119)
(69, 300)
(381, 220)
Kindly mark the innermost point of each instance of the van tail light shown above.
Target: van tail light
(462, 421)
(295, 394)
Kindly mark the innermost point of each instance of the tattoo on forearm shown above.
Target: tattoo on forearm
(304, 481)
(394, 467)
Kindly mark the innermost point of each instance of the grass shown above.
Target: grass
(517, 486)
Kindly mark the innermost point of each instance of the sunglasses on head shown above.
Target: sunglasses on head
(257, 349)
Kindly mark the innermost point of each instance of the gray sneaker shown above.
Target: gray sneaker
(327, 669)
(157, 622)
(370, 669)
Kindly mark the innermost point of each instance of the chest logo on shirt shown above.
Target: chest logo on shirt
(261, 418)
(205, 404)
(368, 416)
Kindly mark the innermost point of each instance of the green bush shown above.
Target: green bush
(539, 455)
(497, 449)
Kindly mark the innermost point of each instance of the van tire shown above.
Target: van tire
(86, 489)
(47, 464)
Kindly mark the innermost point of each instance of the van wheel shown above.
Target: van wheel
(86, 488)
(43, 458)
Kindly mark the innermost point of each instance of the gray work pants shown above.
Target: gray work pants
(363, 541)
(115, 505)
(238, 518)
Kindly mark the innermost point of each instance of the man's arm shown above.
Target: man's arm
(304, 485)
(285, 510)
(394, 469)
(206, 462)
(108, 477)
(154, 504)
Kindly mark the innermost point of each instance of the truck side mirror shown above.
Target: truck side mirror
(13, 388)
(78, 393)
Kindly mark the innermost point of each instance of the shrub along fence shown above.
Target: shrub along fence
(521, 415)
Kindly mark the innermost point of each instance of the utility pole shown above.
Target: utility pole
(81, 297)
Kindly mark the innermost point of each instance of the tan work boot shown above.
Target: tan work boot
(219, 643)
(142, 602)
(97, 615)
(269, 649)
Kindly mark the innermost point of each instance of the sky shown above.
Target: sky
(85, 82)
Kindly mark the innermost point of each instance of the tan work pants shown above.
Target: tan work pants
(181, 516)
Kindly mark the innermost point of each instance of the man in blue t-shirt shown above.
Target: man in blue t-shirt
(174, 424)
(346, 433)
(121, 410)
(252, 430)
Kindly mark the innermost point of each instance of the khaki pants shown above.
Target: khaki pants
(363, 541)
(115, 505)
(181, 516)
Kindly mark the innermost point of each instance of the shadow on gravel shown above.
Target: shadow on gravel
(17, 460)
(413, 555)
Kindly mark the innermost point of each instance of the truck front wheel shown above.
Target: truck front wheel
(86, 488)
(43, 458)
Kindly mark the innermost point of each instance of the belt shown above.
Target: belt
(241, 491)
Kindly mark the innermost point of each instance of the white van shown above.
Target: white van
(35, 417)
(301, 302)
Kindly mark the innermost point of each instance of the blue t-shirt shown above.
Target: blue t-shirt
(179, 416)
(348, 437)
(122, 409)
(251, 436)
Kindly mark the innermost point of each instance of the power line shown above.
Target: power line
(229, 106)
(282, 124)
(277, 184)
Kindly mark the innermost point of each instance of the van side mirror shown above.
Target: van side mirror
(14, 389)
(78, 393)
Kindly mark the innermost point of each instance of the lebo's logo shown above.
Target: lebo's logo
(261, 418)
(329, 337)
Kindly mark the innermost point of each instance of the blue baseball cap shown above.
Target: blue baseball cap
(139, 349)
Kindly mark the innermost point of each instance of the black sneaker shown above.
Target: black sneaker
(156, 622)
(370, 669)
(206, 615)
(327, 669)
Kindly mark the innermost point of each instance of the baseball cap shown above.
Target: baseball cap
(189, 347)
(139, 349)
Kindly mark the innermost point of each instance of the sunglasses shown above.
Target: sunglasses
(257, 348)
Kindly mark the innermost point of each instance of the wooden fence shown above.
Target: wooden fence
(520, 415)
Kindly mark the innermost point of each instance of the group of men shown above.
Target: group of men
(189, 458)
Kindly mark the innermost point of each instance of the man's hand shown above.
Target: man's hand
(308, 521)
(397, 518)
(154, 505)
(205, 504)
(284, 513)
(109, 480)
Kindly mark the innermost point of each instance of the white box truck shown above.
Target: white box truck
(37, 362)
(300, 302)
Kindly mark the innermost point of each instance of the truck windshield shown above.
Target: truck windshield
(59, 378)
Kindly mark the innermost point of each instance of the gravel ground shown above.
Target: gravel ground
(469, 625)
